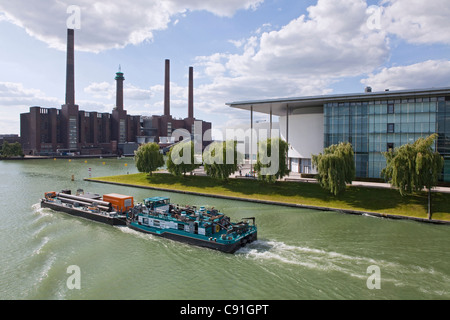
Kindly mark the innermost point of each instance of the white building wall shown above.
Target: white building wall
(306, 136)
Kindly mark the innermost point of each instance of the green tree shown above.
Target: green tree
(271, 163)
(413, 167)
(148, 158)
(181, 159)
(12, 150)
(17, 149)
(221, 159)
(336, 167)
(6, 149)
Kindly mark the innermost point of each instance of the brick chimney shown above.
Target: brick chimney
(70, 68)
(191, 93)
(167, 89)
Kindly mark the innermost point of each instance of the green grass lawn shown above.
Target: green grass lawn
(387, 201)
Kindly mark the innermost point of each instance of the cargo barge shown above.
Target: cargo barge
(157, 216)
(197, 226)
(110, 209)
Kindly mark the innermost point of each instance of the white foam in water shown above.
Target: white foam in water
(326, 261)
(44, 212)
(38, 251)
(317, 259)
(141, 235)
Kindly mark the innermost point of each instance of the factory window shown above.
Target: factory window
(390, 128)
(390, 147)
(73, 133)
(390, 109)
(122, 131)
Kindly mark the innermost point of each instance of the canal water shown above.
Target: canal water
(300, 254)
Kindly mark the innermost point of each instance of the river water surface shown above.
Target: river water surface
(300, 254)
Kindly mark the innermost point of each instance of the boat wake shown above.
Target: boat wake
(393, 272)
(41, 212)
(135, 233)
(318, 259)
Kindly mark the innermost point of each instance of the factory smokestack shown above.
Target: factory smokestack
(119, 90)
(191, 93)
(70, 71)
(167, 89)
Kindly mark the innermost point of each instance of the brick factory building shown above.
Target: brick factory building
(69, 130)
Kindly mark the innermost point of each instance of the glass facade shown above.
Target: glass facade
(348, 122)
(443, 129)
(375, 126)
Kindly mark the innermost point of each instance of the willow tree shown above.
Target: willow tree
(413, 167)
(181, 159)
(271, 163)
(148, 158)
(336, 167)
(221, 159)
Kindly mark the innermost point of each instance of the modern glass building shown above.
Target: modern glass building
(373, 122)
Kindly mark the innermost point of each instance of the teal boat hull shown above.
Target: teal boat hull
(198, 240)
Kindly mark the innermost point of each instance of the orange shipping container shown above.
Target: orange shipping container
(119, 202)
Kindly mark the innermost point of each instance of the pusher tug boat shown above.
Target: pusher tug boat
(197, 226)
(157, 216)
(110, 209)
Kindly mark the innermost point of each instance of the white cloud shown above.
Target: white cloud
(107, 90)
(15, 95)
(418, 21)
(328, 43)
(213, 65)
(219, 7)
(16, 99)
(101, 90)
(108, 24)
(302, 58)
(237, 43)
(428, 74)
(333, 41)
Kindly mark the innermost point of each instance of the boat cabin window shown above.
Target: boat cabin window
(152, 204)
(162, 202)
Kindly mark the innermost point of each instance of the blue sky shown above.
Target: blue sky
(240, 50)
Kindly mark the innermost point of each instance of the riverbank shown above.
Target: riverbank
(105, 156)
(380, 202)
